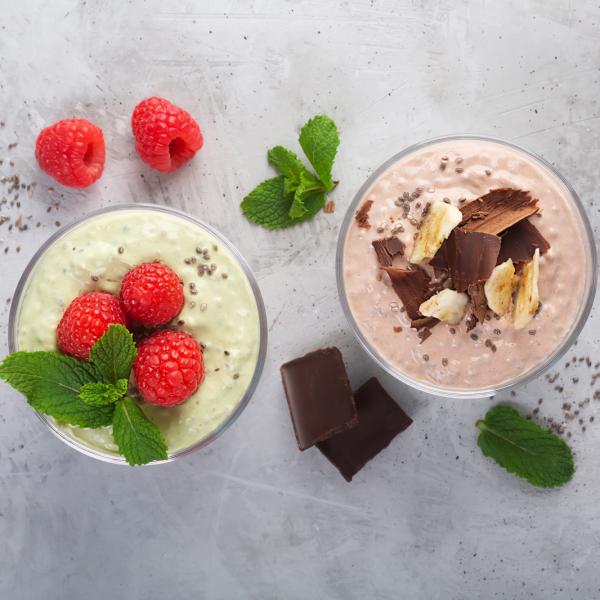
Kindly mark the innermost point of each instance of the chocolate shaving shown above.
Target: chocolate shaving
(471, 256)
(478, 301)
(424, 333)
(423, 322)
(386, 249)
(412, 287)
(498, 210)
(471, 322)
(520, 241)
(362, 215)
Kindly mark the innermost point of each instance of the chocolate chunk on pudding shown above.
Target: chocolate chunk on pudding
(362, 215)
(380, 420)
(471, 256)
(520, 241)
(412, 287)
(498, 210)
(479, 306)
(319, 396)
(386, 249)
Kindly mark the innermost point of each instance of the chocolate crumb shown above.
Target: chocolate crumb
(362, 215)
(397, 329)
(329, 207)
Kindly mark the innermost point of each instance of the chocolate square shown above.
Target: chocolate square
(380, 420)
(319, 396)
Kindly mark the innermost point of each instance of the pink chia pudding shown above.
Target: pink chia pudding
(462, 352)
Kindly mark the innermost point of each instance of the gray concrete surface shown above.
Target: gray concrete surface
(250, 517)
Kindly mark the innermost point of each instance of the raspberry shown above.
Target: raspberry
(85, 321)
(152, 294)
(166, 136)
(169, 367)
(72, 152)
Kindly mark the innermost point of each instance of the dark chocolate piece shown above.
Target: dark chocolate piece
(319, 396)
(386, 249)
(380, 420)
(471, 256)
(498, 210)
(440, 260)
(425, 332)
(520, 241)
(478, 301)
(412, 287)
(362, 215)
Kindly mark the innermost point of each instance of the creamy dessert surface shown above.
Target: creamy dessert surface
(494, 352)
(220, 312)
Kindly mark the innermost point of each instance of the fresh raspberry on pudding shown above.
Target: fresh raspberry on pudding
(152, 294)
(86, 320)
(169, 367)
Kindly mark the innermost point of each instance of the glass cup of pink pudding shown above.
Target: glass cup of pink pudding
(459, 358)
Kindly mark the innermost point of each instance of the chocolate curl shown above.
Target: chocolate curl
(498, 210)
(520, 242)
(387, 249)
(412, 287)
(479, 305)
(472, 256)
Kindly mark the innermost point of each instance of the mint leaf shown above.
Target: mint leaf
(268, 205)
(138, 439)
(100, 394)
(51, 383)
(288, 164)
(309, 197)
(524, 448)
(113, 354)
(320, 139)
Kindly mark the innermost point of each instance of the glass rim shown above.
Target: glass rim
(260, 306)
(529, 375)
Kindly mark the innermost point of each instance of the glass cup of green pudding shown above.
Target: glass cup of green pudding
(223, 310)
(466, 265)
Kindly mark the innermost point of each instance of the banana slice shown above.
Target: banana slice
(527, 299)
(447, 305)
(500, 286)
(441, 219)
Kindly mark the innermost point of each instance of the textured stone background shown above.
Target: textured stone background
(250, 517)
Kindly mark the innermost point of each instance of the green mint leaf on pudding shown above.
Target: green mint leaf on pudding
(268, 205)
(51, 384)
(138, 439)
(113, 354)
(524, 448)
(320, 139)
(100, 393)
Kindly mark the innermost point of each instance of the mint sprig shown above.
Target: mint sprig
(113, 354)
(138, 439)
(99, 393)
(524, 448)
(90, 394)
(298, 194)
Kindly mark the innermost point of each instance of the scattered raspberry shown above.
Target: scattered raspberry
(152, 294)
(166, 136)
(85, 321)
(169, 367)
(72, 152)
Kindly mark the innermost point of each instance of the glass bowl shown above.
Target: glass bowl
(578, 323)
(22, 287)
